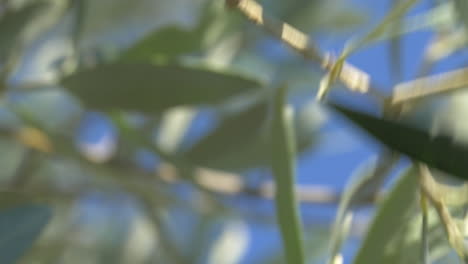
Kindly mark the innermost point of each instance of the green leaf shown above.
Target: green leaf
(13, 22)
(242, 140)
(42, 105)
(396, 13)
(19, 228)
(392, 216)
(307, 123)
(327, 15)
(394, 235)
(239, 142)
(364, 184)
(284, 171)
(438, 151)
(78, 8)
(150, 88)
(165, 43)
(395, 48)
(436, 18)
(461, 8)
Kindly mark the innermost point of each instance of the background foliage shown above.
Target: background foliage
(142, 131)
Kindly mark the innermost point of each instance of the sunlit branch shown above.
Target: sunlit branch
(217, 182)
(431, 85)
(233, 185)
(454, 235)
(352, 77)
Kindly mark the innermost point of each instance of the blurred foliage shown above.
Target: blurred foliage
(191, 118)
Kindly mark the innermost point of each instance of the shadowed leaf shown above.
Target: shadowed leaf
(440, 151)
(150, 88)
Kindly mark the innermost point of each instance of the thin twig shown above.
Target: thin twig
(287, 33)
(232, 184)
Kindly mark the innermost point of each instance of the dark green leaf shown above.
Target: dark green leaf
(314, 237)
(150, 88)
(439, 151)
(19, 228)
(284, 170)
(164, 43)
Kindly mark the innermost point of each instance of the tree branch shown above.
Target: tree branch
(429, 188)
(352, 77)
(225, 183)
(430, 85)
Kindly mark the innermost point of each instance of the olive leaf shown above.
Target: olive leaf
(152, 89)
(438, 151)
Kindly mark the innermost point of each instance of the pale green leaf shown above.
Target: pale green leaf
(394, 235)
(284, 170)
(397, 12)
(242, 140)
